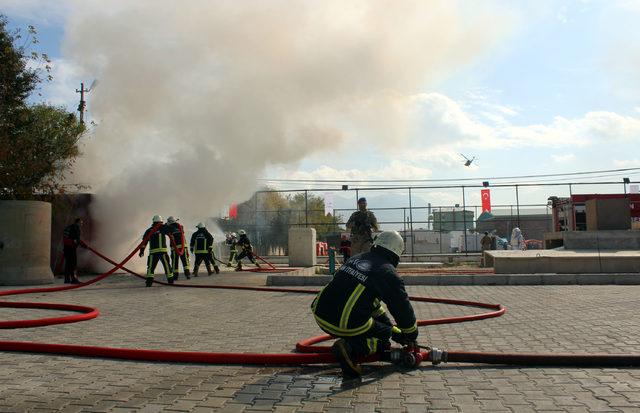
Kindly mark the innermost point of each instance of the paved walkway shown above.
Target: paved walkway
(539, 319)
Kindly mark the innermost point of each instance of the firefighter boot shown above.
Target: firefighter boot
(187, 273)
(67, 279)
(217, 269)
(149, 281)
(342, 352)
(170, 279)
(176, 275)
(239, 266)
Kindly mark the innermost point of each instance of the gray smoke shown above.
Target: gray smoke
(196, 98)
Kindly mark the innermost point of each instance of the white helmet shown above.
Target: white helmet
(200, 225)
(390, 240)
(171, 220)
(242, 232)
(234, 235)
(156, 219)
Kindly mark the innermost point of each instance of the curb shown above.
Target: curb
(481, 279)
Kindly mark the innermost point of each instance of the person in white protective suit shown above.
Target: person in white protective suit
(517, 240)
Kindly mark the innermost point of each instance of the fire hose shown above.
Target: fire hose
(308, 351)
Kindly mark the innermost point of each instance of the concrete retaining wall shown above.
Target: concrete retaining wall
(25, 243)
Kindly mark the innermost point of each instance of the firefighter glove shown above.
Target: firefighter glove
(403, 338)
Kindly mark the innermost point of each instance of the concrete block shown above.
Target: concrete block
(558, 279)
(456, 280)
(525, 279)
(302, 247)
(493, 279)
(627, 279)
(594, 279)
(25, 243)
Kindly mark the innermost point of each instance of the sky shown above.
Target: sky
(544, 87)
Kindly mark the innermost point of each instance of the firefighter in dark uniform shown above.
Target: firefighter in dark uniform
(349, 307)
(362, 224)
(70, 242)
(157, 249)
(246, 250)
(232, 241)
(178, 236)
(202, 246)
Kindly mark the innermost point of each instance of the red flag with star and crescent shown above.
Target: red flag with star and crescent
(486, 200)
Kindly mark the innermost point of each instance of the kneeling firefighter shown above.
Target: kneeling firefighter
(157, 249)
(202, 246)
(349, 307)
(181, 246)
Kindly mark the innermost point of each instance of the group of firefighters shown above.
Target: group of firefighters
(163, 237)
(349, 307)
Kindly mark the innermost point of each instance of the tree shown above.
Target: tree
(38, 142)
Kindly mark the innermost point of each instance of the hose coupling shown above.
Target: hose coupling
(437, 356)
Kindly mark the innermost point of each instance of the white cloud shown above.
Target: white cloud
(62, 89)
(563, 158)
(395, 170)
(626, 163)
(443, 121)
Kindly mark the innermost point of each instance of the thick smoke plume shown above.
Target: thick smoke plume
(196, 98)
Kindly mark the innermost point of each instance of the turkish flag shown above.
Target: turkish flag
(233, 211)
(486, 200)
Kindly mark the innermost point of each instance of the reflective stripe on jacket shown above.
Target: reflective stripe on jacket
(352, 299)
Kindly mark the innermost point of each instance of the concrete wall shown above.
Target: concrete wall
(565, 262)
(533, 226)
(25, 242)
(596, 240)
(608, 214)
(302, 247)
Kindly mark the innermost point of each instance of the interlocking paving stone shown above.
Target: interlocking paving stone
(549, 319)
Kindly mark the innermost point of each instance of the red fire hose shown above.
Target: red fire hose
(309, 353)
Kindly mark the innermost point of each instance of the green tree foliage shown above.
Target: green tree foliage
(38, 142)
(267, 216)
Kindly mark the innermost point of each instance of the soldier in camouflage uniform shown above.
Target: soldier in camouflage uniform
(362, 224)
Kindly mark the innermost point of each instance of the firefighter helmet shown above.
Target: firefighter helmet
(242, 232)
(200, 225)
(234, 235)
(171, 220)
(390, 240)
(156, 219)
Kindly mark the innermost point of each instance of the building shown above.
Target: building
(570, 214)
(446, 221)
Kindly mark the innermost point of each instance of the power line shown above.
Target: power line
(494, 178)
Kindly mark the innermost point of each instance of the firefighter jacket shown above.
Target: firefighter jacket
(347, 305)
(178, 234)
(158, 241)
(245, 243)
(201, 241)
(71, 235)
(362, 223)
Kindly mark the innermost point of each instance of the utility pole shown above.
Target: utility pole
(83, 103)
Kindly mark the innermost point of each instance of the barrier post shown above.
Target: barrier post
(332, 260)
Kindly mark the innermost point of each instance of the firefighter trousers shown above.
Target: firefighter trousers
(207, 257)
(247, 254)
(175, 261)
(70, 262)
(375, 340)
(152, 262)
